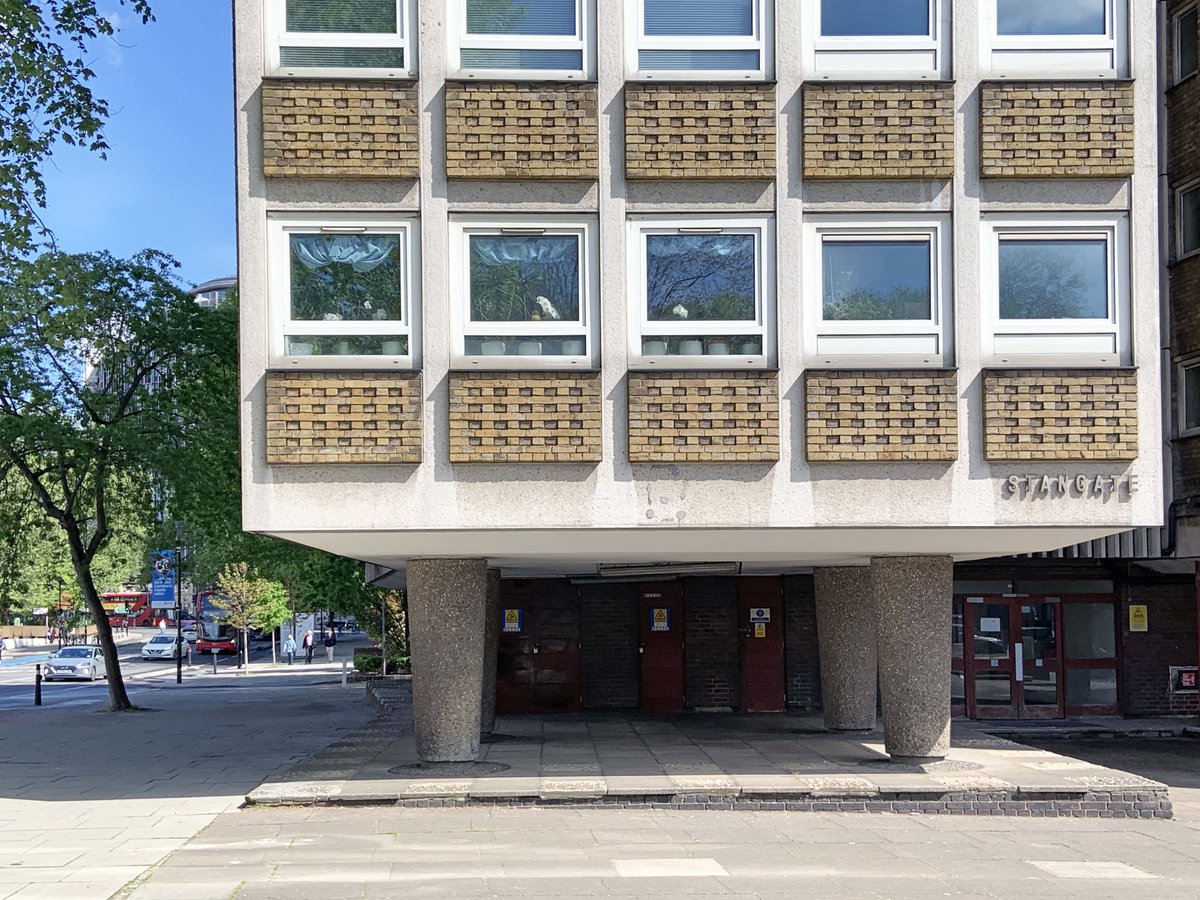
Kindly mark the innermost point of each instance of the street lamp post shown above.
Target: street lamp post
(178, 607)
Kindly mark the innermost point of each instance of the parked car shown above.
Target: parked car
(75, 662)
(162, 646)
(189, 632)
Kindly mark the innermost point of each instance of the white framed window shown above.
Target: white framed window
(1055, 289)
(702, 291)
(1185, 31)
(343, 290)
(1188, 380)
(524, 292)
(1187, 220)
(357, 39)
(550, 39)
(878, 291)
(699, 40)
(1084, 38)
(898, 38)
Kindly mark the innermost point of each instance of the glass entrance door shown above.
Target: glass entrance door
(1012, 660)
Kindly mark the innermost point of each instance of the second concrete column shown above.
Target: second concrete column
(913, 601)
(447, 601)
(846, 635)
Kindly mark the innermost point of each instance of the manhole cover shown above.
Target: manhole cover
(449, 770)
(941, 766)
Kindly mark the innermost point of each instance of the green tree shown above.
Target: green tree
(87, 409)
(240, 600)
(45, 100)
(275, 608)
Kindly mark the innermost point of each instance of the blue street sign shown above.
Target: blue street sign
(162, 579)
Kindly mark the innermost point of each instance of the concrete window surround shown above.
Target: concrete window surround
(399, 42)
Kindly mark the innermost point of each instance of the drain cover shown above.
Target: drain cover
(449, 770)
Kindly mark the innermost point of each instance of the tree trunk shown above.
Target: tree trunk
(118, 697)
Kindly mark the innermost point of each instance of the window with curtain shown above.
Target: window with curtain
(543, 37)
(343, 290)
(702, 292)
(1019, 17)
(693, 37)
(876, 18)
(358, 36)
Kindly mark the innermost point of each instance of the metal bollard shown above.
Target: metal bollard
(37, 684)
(189, 655)
(214, 653)
(345, 672)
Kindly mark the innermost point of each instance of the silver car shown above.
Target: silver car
(75, 662)
(161, 646)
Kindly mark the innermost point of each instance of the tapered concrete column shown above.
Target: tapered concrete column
(846, 635)
(447, 600)
(913, 600)
(491, 648)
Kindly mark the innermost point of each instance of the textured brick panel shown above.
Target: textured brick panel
(1056, 129)
(700, 131)
(877, 416)
(1068, 414)
(525, 417)
(339, 129)
(522, 130)
(878, 130)
(343, 417)
(718, 417)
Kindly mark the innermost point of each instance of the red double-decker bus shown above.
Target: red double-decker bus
(128, 608)
(212, 633)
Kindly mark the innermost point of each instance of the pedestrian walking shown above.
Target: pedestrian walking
(330, 643)
(308, 643)
(162, 625)
(289, 648)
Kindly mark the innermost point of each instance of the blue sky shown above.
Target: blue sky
(168, 180)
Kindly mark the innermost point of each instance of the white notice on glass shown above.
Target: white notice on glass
(989, 624)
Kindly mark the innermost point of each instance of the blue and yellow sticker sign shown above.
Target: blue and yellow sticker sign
(660, 618)
(511, 623)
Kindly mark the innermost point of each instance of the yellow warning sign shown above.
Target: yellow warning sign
(660, 618)
(760, 629)
(1139, 617)
(512, 620)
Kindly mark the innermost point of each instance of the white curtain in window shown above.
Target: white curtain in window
(499, 251)
(361, 253)
(661, 246)
(342, 16)
(699, 17)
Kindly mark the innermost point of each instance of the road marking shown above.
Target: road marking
(1090, 869)
(668, 868)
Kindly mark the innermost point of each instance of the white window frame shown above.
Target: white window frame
(1187, 188)
(761, 40)
(763, 227)
(881, 343)
(462, 226)
(898, 57)
(584, 40)
(277, 36)
(1181, 370)
(1176, 53)
(1057, 342)
(280, 225)
(1056, 55)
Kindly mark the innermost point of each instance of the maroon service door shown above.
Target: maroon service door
(760, 644)
(661, 632)
(538, 667)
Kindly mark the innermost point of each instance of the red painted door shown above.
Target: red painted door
(538, 666)
(760, 644)
(661, 646)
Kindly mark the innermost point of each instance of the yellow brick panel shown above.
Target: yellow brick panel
(525, 417)
(522, 130)
(720, 417)
(1060, 414)
(339, 129)
(881, 416)
(1056, 129)
(343, 417)
(700, 131)
(878, 130)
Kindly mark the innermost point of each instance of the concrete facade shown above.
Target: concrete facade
(849, 654)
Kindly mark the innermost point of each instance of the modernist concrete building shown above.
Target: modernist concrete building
(676, 353)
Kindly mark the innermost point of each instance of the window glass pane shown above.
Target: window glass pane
(702, 345)
(521, 59)
(347, 345)
(1040, 17)
(517, 278)
(699, 17)
(344, 16)
(1188, 26)
(343, 57)
(876, 280)
(697, 277)
(1054, 279)
(1191, 397)
(526, 345)
(993, 689)
(1088, 631)
(874, 18)
(1091, 687)
(1189, 220)
(521, 17)
(697, 60)
(345, 277)
(1040, 688)
(990, 636)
